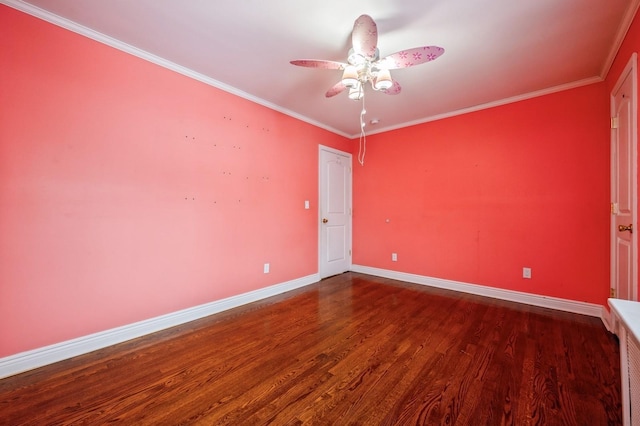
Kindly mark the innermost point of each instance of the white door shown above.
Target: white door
(335, 212)
(624, 270)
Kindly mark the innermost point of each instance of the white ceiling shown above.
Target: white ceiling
(496, 51)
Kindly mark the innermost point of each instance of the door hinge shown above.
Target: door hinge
(349, 252)
(612, 292)
(614, 122)
(614, 208)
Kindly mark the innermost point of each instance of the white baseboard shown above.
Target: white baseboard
(566, 305)
(609, 321)
(35, 358)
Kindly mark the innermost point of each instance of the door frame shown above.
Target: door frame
(349, 203)
(630, 69)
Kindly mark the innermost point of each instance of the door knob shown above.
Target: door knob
(325, 220)
(623, 228)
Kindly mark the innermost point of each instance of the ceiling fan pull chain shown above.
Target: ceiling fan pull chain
(362, 149)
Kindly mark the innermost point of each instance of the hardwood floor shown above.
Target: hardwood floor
(352, 349)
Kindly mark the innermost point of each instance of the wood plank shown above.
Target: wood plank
(352, 349)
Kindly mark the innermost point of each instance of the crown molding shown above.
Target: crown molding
(627, 20)
(513, 99)
(117, 44)
(142, 54)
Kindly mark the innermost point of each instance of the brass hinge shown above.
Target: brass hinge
(614, 208)
(614, 122)
(612, 292)
(349, 252)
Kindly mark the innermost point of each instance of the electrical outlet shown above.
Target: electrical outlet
(266, 268)
(526, 273)
(394, 257)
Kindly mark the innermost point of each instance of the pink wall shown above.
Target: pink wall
(630, 45)
(475, 198)
(128, 191)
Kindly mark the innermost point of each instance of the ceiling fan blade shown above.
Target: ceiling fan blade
(364, 37)
(319, 63)
(410, 57)
(338, 88)
(393, 90)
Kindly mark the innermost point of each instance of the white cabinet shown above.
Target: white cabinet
(626, 316)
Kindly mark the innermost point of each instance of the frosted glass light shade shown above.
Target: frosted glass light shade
(383, 80)
(350, 76)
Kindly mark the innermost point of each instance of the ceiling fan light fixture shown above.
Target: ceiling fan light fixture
(382, 80)
(350, 76)
(364, 65)
(355, 58)
(355, 93)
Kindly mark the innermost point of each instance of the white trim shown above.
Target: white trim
(117, 44)
(558, 304)
(142, 54)
(627, 20)
(608, 321)
(40, 357)
(500, 102)
(625, 24)
(631, 69)
(35, 358)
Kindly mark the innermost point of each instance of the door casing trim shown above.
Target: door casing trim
(630, 68)
(350, 202)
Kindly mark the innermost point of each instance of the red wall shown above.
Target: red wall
(630, 45)
(475, 198)
(128, 191)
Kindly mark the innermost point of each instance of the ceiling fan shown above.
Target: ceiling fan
(364, 63)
